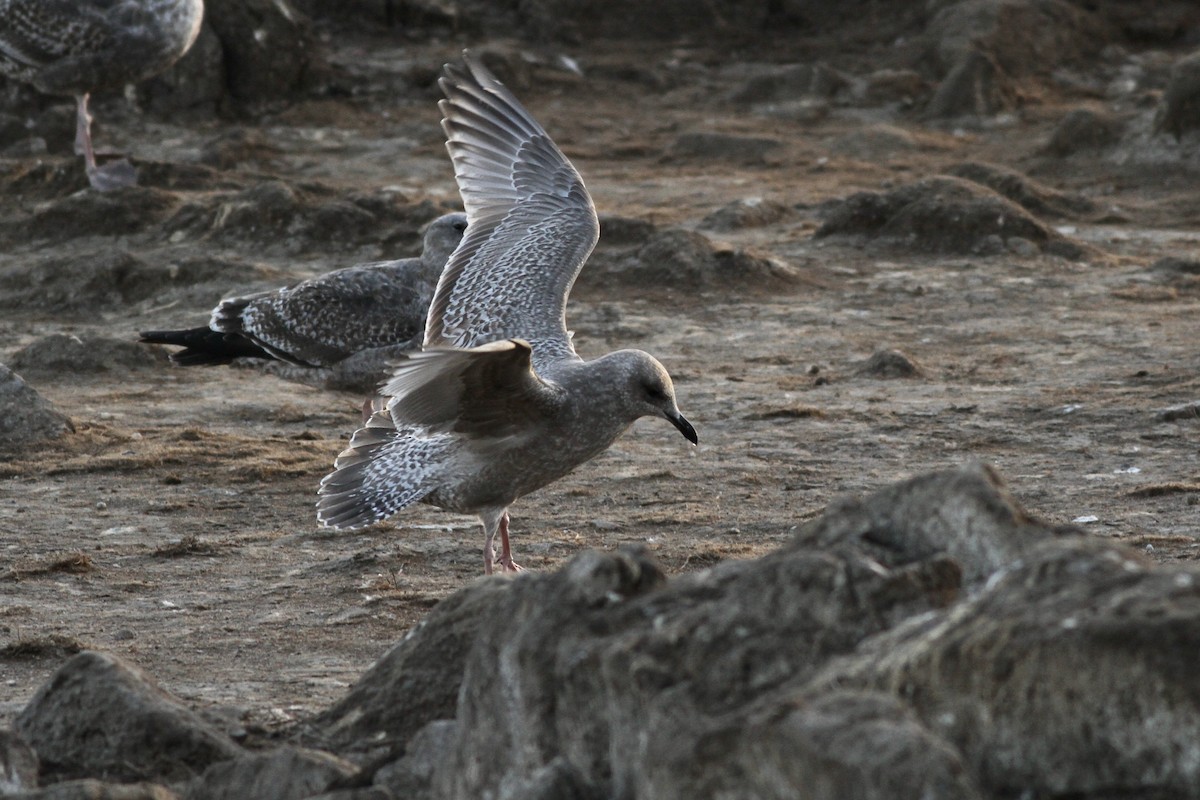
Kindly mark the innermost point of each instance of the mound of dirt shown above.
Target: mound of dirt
(673, 259)
(25, 417)
(1034, 197)
(61, 353)
(944, 215)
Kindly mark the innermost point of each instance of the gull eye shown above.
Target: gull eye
(654, 392)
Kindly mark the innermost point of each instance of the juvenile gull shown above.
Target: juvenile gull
(497, 404)
(326, 320)
(76, 47)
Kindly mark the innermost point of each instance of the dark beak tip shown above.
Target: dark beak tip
(685, 428)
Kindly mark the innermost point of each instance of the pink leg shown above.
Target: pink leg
(111, 176)
(83, 132)
(506, 559)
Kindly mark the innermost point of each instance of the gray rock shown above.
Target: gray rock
(751, 212)
(1022, 37)
(196, 83)
(598, 663)
(18, 765)
(1034, 197)
(708, 146)
(975, 86)
(288, 773)
(773, 84)
(890, 364)
(942, 215)
(674, 259)
(98, 716)
(411, 776)
(1084, 130)
(61, 353)
(25, 417)
(267, 46)
(1071, 675)
(963, 513)
(861, 745)
(416, 682)
(89, 789)
(1180, 109)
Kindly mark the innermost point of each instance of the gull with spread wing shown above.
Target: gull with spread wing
(497, 404)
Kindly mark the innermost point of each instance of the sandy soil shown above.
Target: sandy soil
(176, 527)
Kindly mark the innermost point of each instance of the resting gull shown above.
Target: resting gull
(324, 321)
(77, 47)
(497, 404)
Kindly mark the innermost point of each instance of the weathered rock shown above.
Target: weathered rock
(963, 513)
(825, 747)
(674, 259)
(25, 417)
(1180, 109)
(975, 86)
(89, 789)
(1023, 190)
(1072, 674)
(98, 716)
(96, 279)
(130, 210)
(942, 215)
(61, 353)
(411, 776)
(281, 215)
(899, 87)
(18, 765)
(268, 48)
(572, 19)
(1022, 37)
(288, 773)
(1084, 129)
(889, 364)
(568, 667)
(773, 83)
(708, 146)
(416, 682)
(752, 212)
(196, 83)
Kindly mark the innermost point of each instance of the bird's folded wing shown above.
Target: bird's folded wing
(485, 392)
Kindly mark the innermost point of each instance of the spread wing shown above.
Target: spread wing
(531, 224)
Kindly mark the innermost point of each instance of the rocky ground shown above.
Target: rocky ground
(965, 233)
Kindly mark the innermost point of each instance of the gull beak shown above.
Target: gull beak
(683, 425)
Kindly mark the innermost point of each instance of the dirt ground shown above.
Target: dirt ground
(175, 527)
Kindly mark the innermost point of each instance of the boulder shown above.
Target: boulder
(1072, 674)
(99, 717)
(25, 417)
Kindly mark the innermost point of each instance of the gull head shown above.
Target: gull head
(442, 237)
(647, 390)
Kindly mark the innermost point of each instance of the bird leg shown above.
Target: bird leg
(492, 525)
(506, 559)
(113, 175)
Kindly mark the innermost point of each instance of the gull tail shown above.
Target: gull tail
(382, 471)
(204, 346)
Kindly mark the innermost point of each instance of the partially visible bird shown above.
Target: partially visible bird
(328, 319)
(498, 404)
(76, 47)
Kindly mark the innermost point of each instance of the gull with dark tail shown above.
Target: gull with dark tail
(497, 404)
(358, 317)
